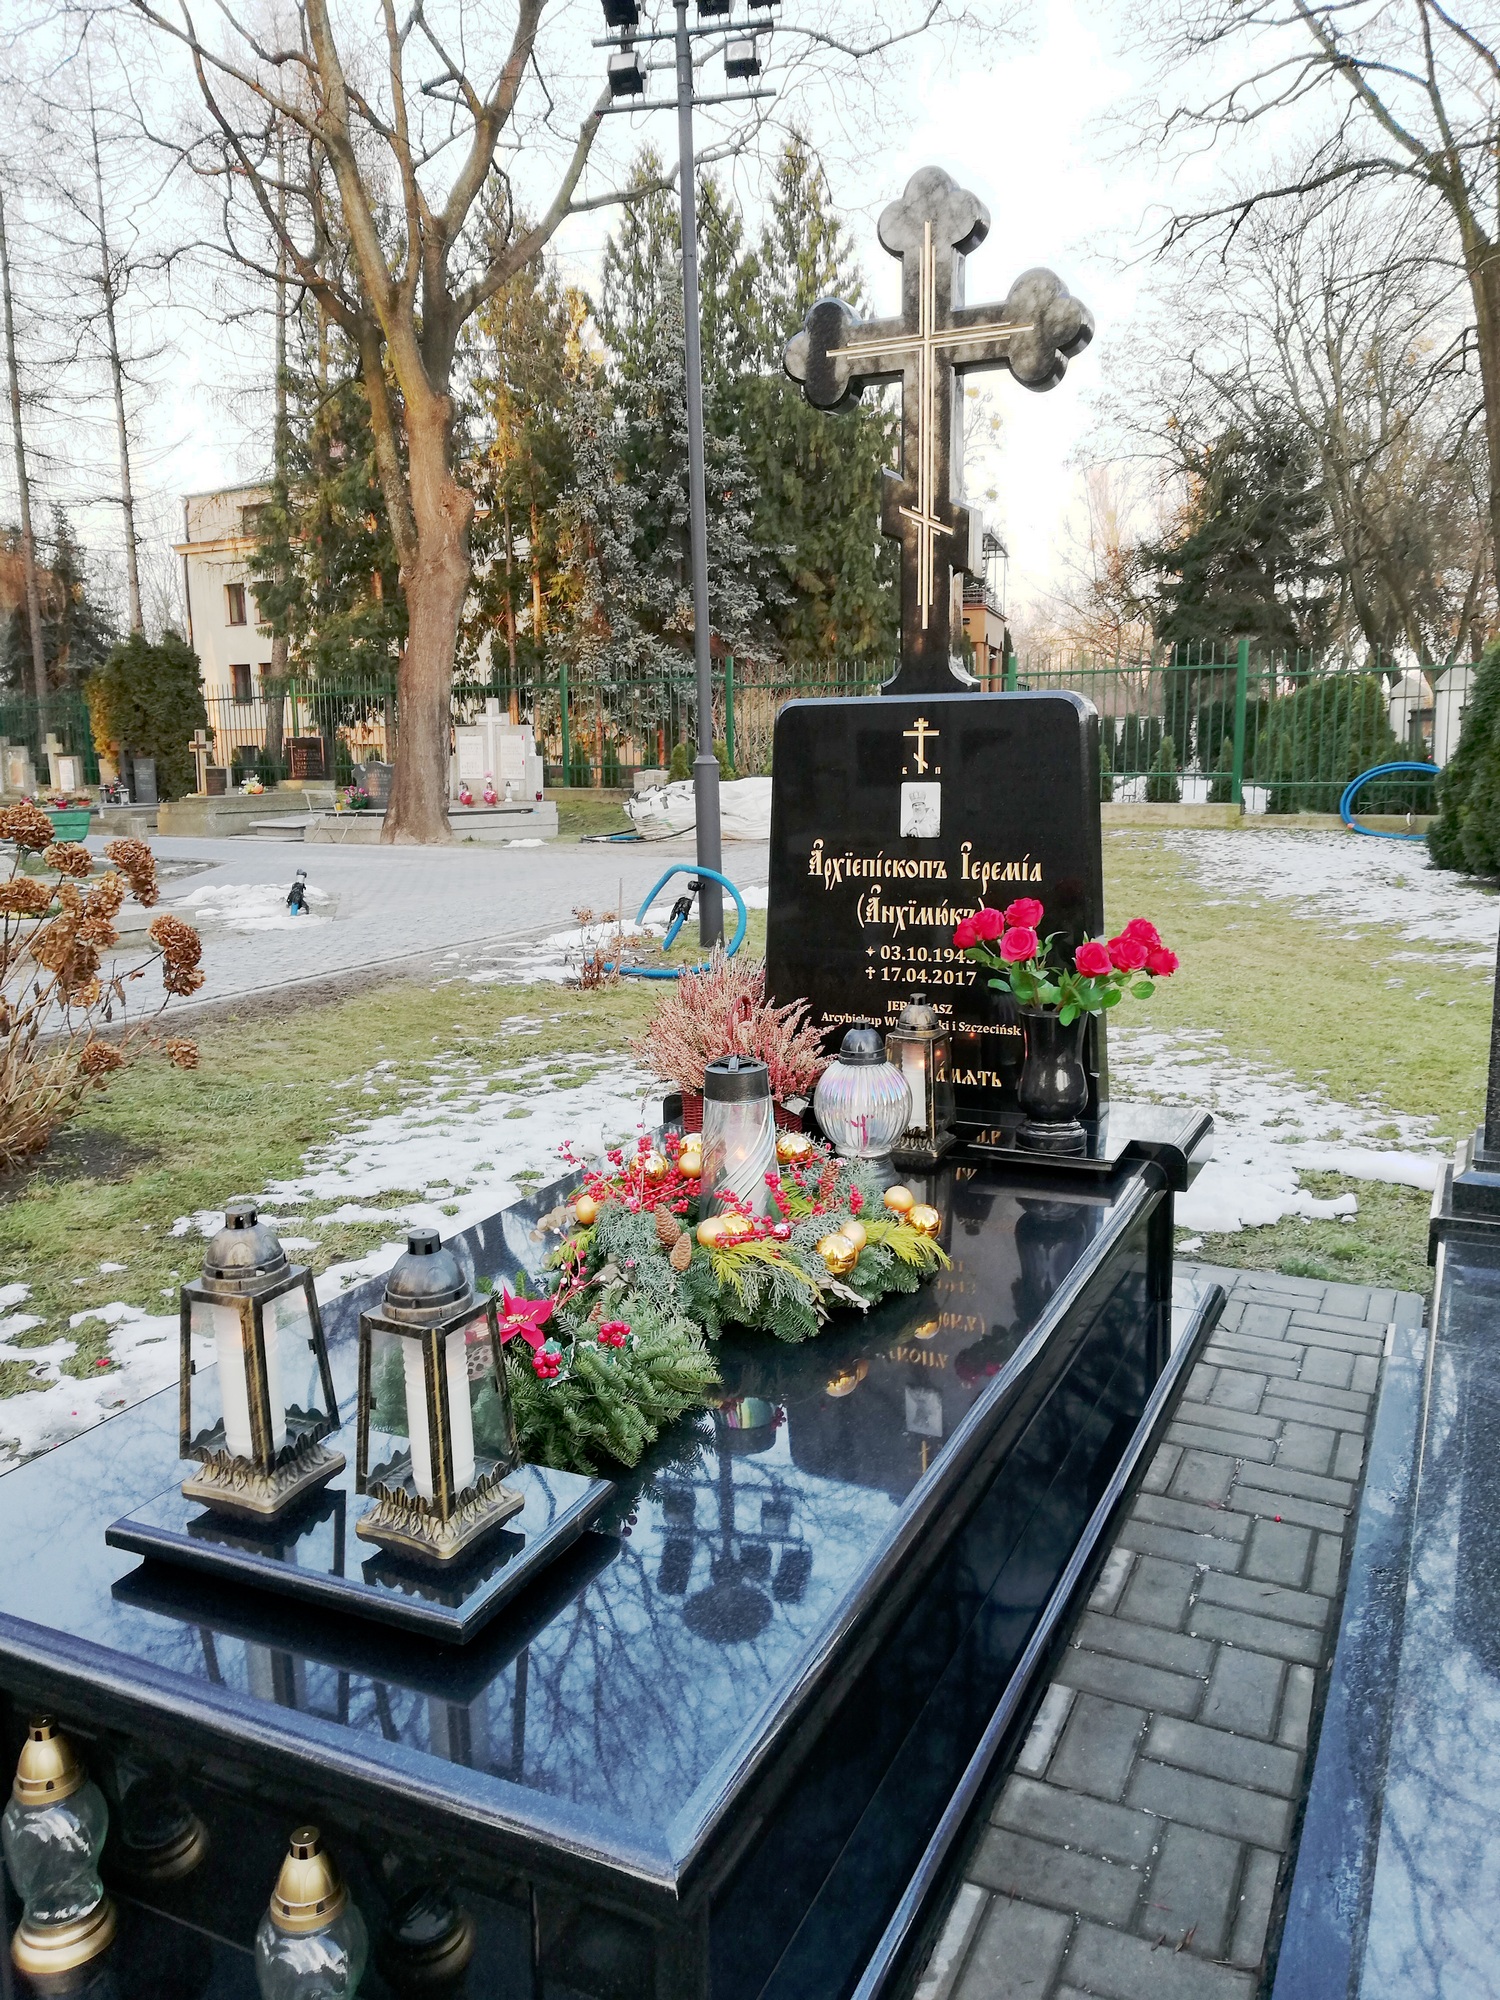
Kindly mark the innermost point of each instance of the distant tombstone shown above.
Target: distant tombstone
(894, 816)
(54, 754)
(306, 756)
(20, 772)
(215, 781)
(143, 780)
(70, 774)
(493, 746)
(376, 779)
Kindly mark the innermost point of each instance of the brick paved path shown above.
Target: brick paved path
(1134, 1852)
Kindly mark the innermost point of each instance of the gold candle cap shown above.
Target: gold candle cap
(49, 1768)
(308, 1893)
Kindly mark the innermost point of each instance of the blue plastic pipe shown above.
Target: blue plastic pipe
(1346, 803)
(676, 971)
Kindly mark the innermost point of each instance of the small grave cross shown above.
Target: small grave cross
(202, 749)
(837, 356)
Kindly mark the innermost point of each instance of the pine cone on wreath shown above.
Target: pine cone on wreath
(682, 1252)
(668, 1228)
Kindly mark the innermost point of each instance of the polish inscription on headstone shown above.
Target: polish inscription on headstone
(895, 816)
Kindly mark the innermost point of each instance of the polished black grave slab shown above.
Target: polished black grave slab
(311, 1553)
(722, 1747)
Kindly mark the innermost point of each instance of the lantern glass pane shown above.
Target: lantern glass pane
(739, 1150)
(942, 1083)
(221, 1391)
(289, 1327)
(494, 1427)
(911, 1058)
(398, 1440)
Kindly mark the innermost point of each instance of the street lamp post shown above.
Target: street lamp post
(627, 80)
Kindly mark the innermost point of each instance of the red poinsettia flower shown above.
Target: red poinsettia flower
(1025, 912)
(1127, 954)
(1092, 959)
(1144, 932)
(526, 1317)
(1162, 964)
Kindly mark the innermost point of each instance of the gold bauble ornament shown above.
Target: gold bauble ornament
(690, 1161)
(792, 1148)
(736, 1228)
(900, 1200)
(587, 1211)
(926, 1221)
(711, 1231)
(656, 1166)
(838, 1253)
(856, 1232)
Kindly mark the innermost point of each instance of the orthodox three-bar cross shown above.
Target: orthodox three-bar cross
(836, 357)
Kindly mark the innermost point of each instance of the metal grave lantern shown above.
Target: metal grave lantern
(739, 1134)
(436, 1435)
(261, 1448)
(922, 1049)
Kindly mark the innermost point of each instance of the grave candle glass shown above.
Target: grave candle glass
(862, 1102)
(53, 1833)
(257, 1428)
(739, 1135)
(312, 1943)
(436, 1436)
(921, 1048)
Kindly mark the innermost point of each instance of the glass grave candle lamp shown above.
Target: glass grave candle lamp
(312, 1943)
(53, 1832)
(436, 1435)
(739, 1135)
(922, 1049)
(257, 1426)
(862, 1102)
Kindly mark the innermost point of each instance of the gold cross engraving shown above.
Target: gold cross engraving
(921, 731)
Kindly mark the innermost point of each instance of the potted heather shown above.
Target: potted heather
(722, 1010)
(1055, 992)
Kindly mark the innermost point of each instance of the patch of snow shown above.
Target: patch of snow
(12, 1295)
(143, 1357)
(526, 843)
(1346, 879)
(250, 906)
(1189, 1244)
(106, 1268)
(1269, 1129)
(18, 1323)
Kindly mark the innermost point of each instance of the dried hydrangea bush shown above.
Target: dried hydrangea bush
(65, 1020)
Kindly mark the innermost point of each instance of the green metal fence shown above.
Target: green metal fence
(27, 722)
(1279, 732)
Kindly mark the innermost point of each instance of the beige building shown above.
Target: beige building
(219, 530)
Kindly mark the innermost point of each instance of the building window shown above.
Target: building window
(244, 686)
(234, 598)
(251, 519)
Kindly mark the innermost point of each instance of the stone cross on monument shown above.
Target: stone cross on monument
(202, 748)
(837, 356)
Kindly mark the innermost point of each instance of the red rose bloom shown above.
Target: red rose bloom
(1162, 964)
(1019, 944)
(1025, 913)
(1144, 932)
(988, 923)
(1093, 959)
(1126, 955)
(966, 934)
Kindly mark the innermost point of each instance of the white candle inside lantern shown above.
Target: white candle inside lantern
(416, 1417)
(235, 1362)
(460, 1410)
(914, 1069)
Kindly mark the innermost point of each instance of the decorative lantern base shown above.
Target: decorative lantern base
(172, 1858)
(42, 1949)
(401, 1520)
(231, 1485)
(915, 1149)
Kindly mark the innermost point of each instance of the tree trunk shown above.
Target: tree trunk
(117, 378)
(273, 681)
(1483, 260)
(435, 583)
(23, 488)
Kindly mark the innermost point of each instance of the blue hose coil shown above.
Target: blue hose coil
(676, 972)
(1346, 803)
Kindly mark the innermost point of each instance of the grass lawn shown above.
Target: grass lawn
(1345, 1012)
(580, 812)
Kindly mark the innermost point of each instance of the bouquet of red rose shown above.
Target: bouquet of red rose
(1031, 969)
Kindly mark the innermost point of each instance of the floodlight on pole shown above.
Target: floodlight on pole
(741, 61)
(621, 14)
(626, 77)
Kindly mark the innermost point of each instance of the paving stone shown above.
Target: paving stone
(1380, 1304)
(1169, 1513)
(1192, 1893)
(1348, 1299)
(1190, 1435)
(1202, 1475)
(1318, 1404)
(1365, 1376)
(1243, 1691)
(1159, 1472)
(1349, 1459)
(1238, 1423)
(1146, 1643)
(1410, 1309)
(946, 1962)
(1199, 1383)
(1013, 1864)
(1247, 1499)
(1264, 1320)
(1116, 1833)
(1261, 1635)
(1306, 1447)
(1266, 1357)
(1306, 1485)
(1129, 1680)
(1279, 1552)
(1296, 1708)
(1212, 1551)
(1113, 1577)
(1217, 1807)
(1267, 1600)
(1016, 1954)
(1118, 1966)
(1235, 1389)
(1328, 1561)
(1329, 1365)
(1098, 1746)
(1289, 1412)
(1047, 1725)
(1218, 1753)
(1347, 1336)
(1158, 1592)
(1247, 1945)
(1256, 1283)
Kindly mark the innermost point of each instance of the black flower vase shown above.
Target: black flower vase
(1054, 1086)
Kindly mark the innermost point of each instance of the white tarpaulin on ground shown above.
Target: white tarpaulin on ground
(744, 808)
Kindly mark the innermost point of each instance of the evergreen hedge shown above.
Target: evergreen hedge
(1163, 787)
(1314, 741)
(146, 701)
(1466, 833)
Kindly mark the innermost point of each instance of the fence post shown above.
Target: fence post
(1010, 673)
(1241, 689)
(562, 701)
(729, 710)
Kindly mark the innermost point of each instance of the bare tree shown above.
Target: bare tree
(1410, 94)
(23, 476)
(412, 145)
